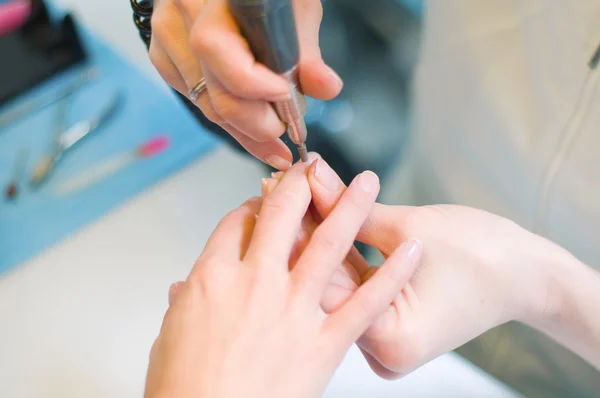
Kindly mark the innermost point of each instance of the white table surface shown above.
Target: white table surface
(79, 319)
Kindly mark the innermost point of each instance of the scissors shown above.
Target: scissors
(67, 139)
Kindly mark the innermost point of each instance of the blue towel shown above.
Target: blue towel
(39, 218)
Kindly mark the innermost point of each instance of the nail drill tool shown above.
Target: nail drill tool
(270, 29)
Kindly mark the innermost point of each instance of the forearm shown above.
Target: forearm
(572, 314)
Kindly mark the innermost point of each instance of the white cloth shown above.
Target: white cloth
(507, 119)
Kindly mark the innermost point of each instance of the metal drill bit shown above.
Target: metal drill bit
(292, 113)
(72, 136)
(303, 152)
(269, 27)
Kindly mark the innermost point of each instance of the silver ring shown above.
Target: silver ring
(198, 89)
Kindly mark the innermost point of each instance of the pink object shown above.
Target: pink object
(153, 147)
(113, 165)
(13, 14)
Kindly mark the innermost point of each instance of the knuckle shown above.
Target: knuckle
(201, 40)
(159, 23)
(156, 57)
(212, 115)
(210, 280)
(367, 303)
(280, 201)
(240, 82)
(237, 215)
(327, 241)
(226, 107)
(268, 130)
(181, 4)
(209, 276)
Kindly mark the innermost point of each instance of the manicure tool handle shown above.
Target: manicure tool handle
(270, 29)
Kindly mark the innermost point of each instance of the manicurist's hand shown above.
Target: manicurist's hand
(244, 324)
(478, 271)
(195, 39)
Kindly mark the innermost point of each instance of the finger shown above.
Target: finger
(319, 80)
(189, 69)
(216, 40)
(165, 67)
(280, 218)
(374, 296)
(384, 223)
(230, 239)
(378, 368)
(255, 118)
(171, 56)
(334, 297)
(340, 289)
(171, 34)
(357, 261)
(169, 29)
(333, 239)
(274, 153)
(190, 10)
(207, 108)
(174, 292)
(316, 78)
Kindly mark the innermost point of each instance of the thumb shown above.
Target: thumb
(316, 78)
(383, 229)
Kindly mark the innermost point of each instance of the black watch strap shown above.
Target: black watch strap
(142, 14)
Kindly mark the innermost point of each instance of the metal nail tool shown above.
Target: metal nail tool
(270, 29)
(67, 140)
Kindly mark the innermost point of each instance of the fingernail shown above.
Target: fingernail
(413, 249)
(312, 156)
(282, 97)
(335, 76)
(326, 176)
(278, 162)
(368, 181)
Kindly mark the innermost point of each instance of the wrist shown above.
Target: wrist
(528, 279)
(568, 303)
(554, 268)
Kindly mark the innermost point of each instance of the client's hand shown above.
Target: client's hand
(243, 324)
(479, 270)
(346, 278)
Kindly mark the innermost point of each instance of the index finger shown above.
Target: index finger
(333, 239)
(327, 188)
(280, 218)
(216, 40)
(375, 295)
